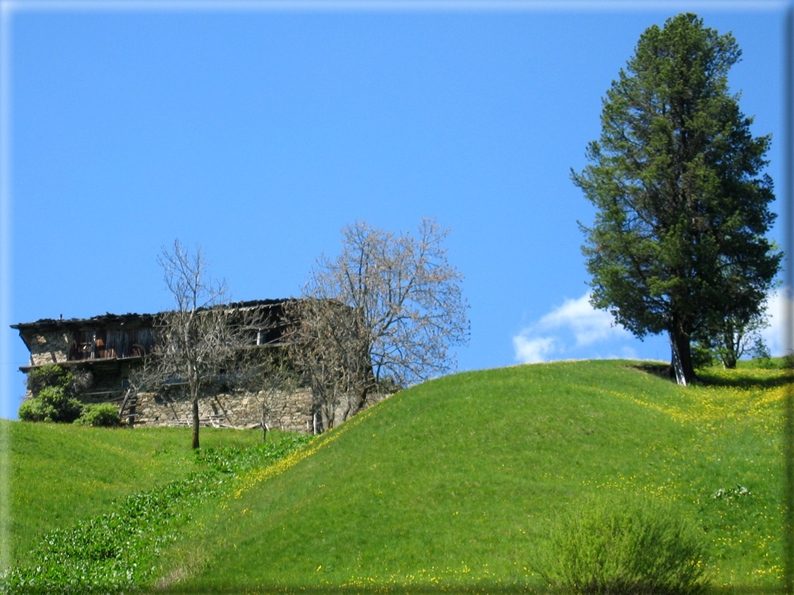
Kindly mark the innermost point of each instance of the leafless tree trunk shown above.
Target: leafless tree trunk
(276, 378)
(201, 342)
(322, 345)
(384, 312)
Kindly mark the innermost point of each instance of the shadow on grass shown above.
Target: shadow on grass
(661, 370)
(783, 378)
(752, 379)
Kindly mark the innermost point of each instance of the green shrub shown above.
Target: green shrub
(52, 404)
(624, 547)
(50, 375)
(53, 390)
(36, 410)
(99, 415)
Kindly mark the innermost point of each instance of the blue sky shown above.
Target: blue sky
(259, 132)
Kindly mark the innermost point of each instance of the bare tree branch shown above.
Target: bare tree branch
(386, 310)
(200, 344)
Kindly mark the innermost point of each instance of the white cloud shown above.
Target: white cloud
(575, 319)
(533, 350)
(577, 330)
(625, 353)
(774, 334)
(587, 324)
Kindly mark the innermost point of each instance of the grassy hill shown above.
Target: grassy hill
(62, 473)
(456, 483)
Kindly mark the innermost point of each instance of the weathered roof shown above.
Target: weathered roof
(101, 320)
(129, 319)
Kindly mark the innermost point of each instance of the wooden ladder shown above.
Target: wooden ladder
(128, 403)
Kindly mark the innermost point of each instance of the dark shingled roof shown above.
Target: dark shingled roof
(130, 319)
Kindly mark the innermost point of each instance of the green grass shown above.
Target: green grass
(454, 484)
(120, 550)
(62, 473)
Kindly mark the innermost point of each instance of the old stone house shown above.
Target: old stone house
(110, 347)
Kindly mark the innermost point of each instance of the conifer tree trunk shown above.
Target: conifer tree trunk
(681, 356)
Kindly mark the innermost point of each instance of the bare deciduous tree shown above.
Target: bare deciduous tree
(385, 311)
(199, 343)
(325, 345)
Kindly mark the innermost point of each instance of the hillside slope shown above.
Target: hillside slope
(455, 482)
(62, 473)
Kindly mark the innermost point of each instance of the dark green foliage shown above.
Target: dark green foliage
(99, 415)
(702, 356)
(119, 551)
(233, 459)
(53, 390)
(52, 404)
(623, 547)
(735, 336)
(50, 375)
(678, 244)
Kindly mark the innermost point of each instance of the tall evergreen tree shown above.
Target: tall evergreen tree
(678, 243)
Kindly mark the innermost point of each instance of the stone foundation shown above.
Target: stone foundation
(287, 411)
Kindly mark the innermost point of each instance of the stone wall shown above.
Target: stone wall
(287, 410)
(49, 347)
(290, 411)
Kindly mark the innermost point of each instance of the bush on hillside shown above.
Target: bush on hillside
(36, 410)
(99, 415)
(626, 548)
(51, 404)
(51, 375)
(53, 389)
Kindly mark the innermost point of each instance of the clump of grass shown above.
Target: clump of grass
(625, 547)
